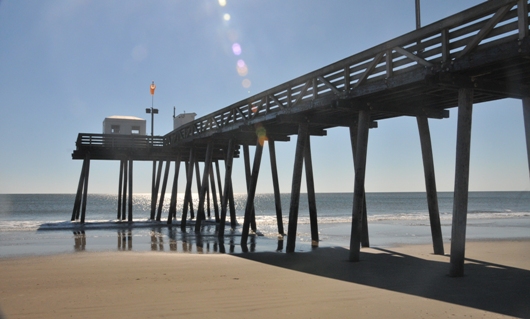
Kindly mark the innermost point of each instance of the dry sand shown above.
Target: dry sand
(402, 282)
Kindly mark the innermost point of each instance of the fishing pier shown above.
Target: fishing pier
(478, 55)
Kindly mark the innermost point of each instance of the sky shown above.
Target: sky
(65, 65)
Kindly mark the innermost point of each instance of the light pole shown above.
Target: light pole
(152, 111)
(418, 15)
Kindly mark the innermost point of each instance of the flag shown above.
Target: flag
(153, 87)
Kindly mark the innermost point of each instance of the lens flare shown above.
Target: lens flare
(242, 68)
(236, 48)
(261, 132)
(222, 3)
(226, 17)
(246, 83)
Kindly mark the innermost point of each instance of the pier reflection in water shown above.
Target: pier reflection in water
(171, 239)
(79, 240)
(125, 239)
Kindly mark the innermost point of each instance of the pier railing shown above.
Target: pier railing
(433, 48)
(85, 140)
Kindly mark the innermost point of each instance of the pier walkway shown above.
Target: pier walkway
(478, 55)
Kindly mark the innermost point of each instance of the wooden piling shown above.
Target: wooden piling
(248, 175)
(276, 187)
(130, 212)
(249, 209)
(85, 190)
(163, 192)
(526, 117)
(214, 194)
(430, 184)
(303, 131)
(204, 186)
(219, 186)
(79, 193)
(231, 203)
(208, 199)
(190, 199)
(358, 192)
(155, 190)
(120, 185)
(228, 181)
(311, 192)
(463, 144)
(173, 202)
(153, 187)
(198, 178)
(365, 238)
(187, 194)
(124, 193)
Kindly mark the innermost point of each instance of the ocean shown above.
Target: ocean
(34, 224)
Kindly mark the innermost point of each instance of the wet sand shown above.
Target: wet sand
(401, 282)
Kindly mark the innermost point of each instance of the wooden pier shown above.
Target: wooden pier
(478, 55)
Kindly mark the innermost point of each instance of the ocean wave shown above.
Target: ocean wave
(264, 220)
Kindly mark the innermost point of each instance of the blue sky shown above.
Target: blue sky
(65, 65)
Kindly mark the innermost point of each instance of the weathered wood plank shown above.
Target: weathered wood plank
(485, 30)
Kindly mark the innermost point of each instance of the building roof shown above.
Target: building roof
(124, 117)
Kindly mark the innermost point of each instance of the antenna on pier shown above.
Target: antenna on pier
(173, 112)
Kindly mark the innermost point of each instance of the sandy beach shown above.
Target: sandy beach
(401, 282)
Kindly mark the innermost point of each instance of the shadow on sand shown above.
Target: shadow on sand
(486, 286)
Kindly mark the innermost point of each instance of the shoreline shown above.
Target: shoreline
(382, 234)
(402, 281)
